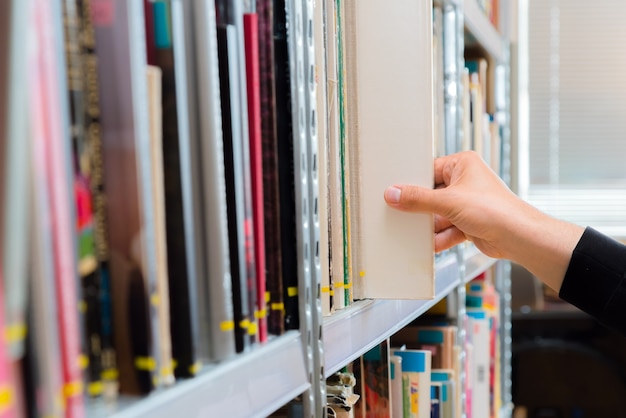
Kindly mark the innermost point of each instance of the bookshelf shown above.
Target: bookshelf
(260, 380)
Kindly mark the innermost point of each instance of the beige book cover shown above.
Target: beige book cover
(390, 127)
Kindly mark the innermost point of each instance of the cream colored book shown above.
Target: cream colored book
(322, 150)
(161, 299)
(390, 135)
(336, 241)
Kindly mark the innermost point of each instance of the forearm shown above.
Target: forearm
(542, 244)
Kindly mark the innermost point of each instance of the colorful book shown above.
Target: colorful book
(52, 162)
(98, 198)
(87, 261)
(376, 381)
(416, 367)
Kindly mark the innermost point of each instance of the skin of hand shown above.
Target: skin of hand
(470, 202)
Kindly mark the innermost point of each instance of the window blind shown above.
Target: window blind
(577, 111)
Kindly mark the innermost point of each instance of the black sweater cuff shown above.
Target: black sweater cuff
(594, 281)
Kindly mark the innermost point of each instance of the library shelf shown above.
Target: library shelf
(481, 32)
(252, 384)
(353, 331)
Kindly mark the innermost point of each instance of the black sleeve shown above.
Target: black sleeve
(594, 281)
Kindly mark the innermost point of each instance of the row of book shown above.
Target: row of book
(375, 129)
(418, 372)
(147, 182)
(481, 127)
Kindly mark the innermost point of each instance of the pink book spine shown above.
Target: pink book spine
(251, 31)
(52, 170)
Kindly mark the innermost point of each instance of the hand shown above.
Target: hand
(471, 202)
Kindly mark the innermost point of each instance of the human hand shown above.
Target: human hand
(471, 202)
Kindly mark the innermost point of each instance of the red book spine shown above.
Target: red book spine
(53, 170)
(251, 30)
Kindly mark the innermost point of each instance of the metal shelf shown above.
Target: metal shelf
(252, 384)
(481, 32)
(350, 333)
(475, 262)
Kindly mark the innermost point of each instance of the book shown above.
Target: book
(251, 34)
(345, 147)
(376, 381)
(236, 11)
(42, 363)
(180, 281)
(448, 388)
(119, 33)
(321, 112)
(52, 162)
(334, 166)
(81, 162)
(395, 373)
(226, 36)
(202, 151)
(286, 173)
(98, 198)
(15, 178)
(271, 200)
(416, 366)
(390, 126)
(165, 373)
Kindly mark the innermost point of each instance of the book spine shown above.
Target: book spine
(165, 374)
(93, 132)
(286, 173)
(271, 202)
(251, 32)
(214, 134)
(234, 182)
(239, 58)
(15, 220)
(334, 163)
(87, 261)
(52, 154)
(174, 133)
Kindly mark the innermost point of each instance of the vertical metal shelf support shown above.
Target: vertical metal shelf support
(302, 70)
(318, 381)
(503, 116)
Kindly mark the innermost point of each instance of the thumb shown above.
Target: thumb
(411, 198)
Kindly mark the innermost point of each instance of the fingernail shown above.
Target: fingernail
(392, 195)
